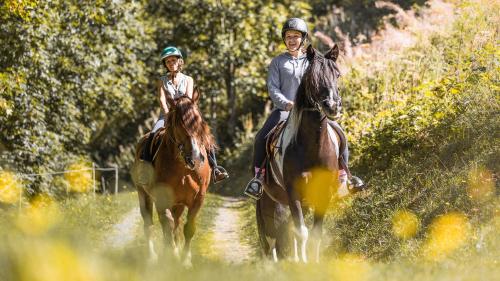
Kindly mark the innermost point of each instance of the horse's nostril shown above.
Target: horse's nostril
(189, 162)
(328, 103)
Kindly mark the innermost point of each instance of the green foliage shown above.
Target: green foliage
(419, 124)
(71, 73)
(76, 78)
(229, 46)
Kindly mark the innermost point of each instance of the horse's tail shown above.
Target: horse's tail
(261, 226)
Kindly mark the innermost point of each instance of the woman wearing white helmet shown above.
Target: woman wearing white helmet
(284, 77)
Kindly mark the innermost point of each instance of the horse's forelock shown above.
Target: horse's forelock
(189, 117)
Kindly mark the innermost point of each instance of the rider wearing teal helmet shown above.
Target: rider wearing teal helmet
(170, 51)
(175, 84)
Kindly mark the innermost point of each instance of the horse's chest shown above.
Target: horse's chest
(301, 157)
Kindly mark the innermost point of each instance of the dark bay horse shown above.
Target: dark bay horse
(181, 174)
(305, 167)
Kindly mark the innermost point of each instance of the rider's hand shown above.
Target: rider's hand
(289, 106)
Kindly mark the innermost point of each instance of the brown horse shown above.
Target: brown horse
(304, 168)
(181, 174)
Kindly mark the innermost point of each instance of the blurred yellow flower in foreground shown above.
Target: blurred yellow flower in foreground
(54, 260)
(480, 184)
(80, 180)
(349, 267)
(315, 188)
(447, 233)
(40, 216)
(10, 187)
(405, 224)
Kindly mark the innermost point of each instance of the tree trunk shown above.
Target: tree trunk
(231, 98)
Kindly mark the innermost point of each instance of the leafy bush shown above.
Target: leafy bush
(420, 125)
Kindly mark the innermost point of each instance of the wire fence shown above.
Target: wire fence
(94, 171)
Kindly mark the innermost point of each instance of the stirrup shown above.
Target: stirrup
(254, 189)
(222, 172)
(356, 184)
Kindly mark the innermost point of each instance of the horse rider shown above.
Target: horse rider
(283, 79)
(176, 84)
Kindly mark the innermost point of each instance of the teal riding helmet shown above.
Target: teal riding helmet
(170, 51)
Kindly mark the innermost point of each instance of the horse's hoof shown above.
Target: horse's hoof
(187, 264)
(187, 261)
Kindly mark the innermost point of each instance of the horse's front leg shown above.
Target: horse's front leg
(146, 208)
(317, 232)
(320, 207)
(300, 229)
(167, 224)
(190, 228)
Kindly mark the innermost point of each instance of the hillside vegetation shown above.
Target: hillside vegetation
(424, 129)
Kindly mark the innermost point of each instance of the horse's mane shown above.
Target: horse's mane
(316, 76)
(187, 115)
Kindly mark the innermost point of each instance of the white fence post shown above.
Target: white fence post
(116, 179)
(93, 178)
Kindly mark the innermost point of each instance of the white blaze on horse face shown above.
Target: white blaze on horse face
(331, 94)
(195, 149)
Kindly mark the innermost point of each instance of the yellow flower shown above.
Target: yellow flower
(40, 216)
(480, 184)
(10, 188)
(447, 233)
(315, 187)
(405, 224)
(81, 179)
(349, 267)
(54, 260)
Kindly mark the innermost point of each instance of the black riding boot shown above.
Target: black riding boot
(218, 172)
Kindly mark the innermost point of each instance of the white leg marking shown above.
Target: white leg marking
(153, 257)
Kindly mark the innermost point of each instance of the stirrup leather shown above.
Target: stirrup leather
(254, 189)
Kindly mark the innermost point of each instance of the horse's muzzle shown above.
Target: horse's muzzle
(331, 109)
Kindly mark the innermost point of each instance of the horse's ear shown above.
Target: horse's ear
(311, 52)
(170, 101)
(333, 54)
(196, 95)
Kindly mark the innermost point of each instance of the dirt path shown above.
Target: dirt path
(124, 232)
(227, 242)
